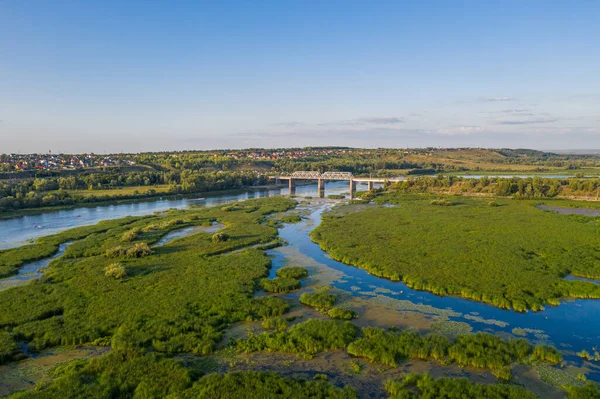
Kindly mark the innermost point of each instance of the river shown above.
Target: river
(572, 326)
(19, 231)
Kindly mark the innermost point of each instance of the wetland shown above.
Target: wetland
(191, 318)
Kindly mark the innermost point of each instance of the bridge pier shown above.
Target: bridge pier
(352, 188)
(370, 185)
(277, 181)
(292, 186)
(321, 188)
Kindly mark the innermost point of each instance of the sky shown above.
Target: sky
(144, 75)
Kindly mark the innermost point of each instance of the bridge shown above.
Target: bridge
(330, 176)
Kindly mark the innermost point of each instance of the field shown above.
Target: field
(507, 253)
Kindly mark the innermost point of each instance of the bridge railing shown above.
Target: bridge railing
(306, 175)
(310, 175)
(337, 176)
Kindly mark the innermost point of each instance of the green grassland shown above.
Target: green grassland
(12, 259)
(510, 255)
(178, 298)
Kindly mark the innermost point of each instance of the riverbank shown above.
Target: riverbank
(120, 201)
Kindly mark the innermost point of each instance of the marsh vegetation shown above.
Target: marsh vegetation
(513, 256)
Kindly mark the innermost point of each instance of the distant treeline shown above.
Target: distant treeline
(525, 188)
(56, 191)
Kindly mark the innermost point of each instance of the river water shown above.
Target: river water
(572, 326)
(19, 231)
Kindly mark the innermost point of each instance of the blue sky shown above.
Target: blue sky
(144, 75)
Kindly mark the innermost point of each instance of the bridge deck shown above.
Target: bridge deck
(356, 179)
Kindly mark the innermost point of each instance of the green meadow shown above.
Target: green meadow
(506, 253)
(178, 297)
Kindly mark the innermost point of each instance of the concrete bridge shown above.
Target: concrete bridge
(321, 178)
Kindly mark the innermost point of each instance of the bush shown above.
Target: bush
(253, 384)
(277, 323)
(139, 250)
(307, 339)
(8, 347)
(547, 354)
(343, 314)
(479, 350)
(131, 235)
(423, 386)
(115, 270)
(280, 284)
(318, 299)
(220, 237)
(290, 219)
(441, 202)
(293, 272)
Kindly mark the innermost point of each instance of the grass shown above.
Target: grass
(479, 350)
(423, 386)
(512, 256)
(179, 298)
(12, 259)
(305, 339)
(135, 374)
(160, 188)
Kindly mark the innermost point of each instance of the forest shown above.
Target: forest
(509, 254)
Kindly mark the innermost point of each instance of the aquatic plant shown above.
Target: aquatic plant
(478, 350)
(180, 297)
(297, 272)
(343, 314)
(280, 284)
(319, 299)
(475, 251)
(306, 339)
(414, 386)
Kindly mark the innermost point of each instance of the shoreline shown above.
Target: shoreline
(120, 201)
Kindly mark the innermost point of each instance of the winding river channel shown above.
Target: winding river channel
(572, 326)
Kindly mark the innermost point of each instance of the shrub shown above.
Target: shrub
(139, 250)
(423, 386)
(441, 202)
(308, 338)
(290, 219)
(547, 354)
(115, 270)
(343, 314)
(277, 323)
(280, 284)
(297, 272)
(131, 235)
(318, 299)
(220, 237)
